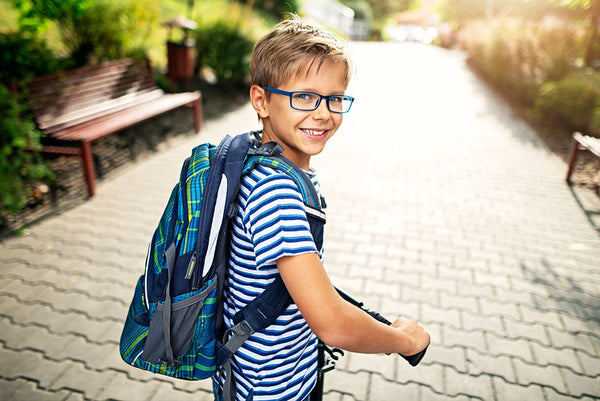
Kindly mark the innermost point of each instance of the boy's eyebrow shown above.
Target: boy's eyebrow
(333, 93)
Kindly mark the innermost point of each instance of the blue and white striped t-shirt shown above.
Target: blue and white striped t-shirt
(280, 362)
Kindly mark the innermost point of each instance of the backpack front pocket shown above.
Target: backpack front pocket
(187, 331)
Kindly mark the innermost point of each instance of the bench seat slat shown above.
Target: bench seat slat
(592, 144)
(52, 123)
(104, 125)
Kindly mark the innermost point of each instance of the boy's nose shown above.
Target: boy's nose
(322, 111)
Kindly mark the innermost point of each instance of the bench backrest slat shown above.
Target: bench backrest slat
(89, 90)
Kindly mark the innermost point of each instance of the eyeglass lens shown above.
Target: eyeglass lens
(310, 101)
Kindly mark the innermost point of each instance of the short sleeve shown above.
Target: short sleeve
(276, 220)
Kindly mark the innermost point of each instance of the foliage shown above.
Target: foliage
(520, 57)
(383, 9)
(362, 9)
(104, 31)
(459, 13)
(277, 8)
(225, 48)
(36, 14)
(21, 168)
(16, 50)
(595, 123)
(92, 31)
(572, 102)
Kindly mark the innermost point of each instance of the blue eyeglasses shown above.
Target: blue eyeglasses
(308, 101)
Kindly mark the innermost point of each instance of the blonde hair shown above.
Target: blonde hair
(293, 46)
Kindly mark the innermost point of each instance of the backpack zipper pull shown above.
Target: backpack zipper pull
(191, 265)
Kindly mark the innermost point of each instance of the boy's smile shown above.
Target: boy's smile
(301, 133)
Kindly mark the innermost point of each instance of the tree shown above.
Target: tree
(588, 10)
(382, 9)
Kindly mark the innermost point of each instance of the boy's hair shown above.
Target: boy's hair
(294, 46)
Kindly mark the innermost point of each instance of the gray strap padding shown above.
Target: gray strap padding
(232, 340)
(170, 256)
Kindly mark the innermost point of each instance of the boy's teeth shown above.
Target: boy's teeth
(312, 132)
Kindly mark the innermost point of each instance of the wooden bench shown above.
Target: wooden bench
(581, 142)
(88, 103)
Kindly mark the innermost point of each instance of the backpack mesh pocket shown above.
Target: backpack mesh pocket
(192, 335)
(184, 313)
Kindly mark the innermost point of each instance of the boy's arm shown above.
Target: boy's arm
(338, 323)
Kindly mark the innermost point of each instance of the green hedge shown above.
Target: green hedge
(21, 167)
(519, 56)
(572, 102)
(537, 66)
(224, 48)
(17, 50)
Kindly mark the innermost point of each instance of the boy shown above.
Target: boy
(299, 77)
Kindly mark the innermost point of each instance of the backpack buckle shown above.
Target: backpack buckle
(267, 149)
(175, 363)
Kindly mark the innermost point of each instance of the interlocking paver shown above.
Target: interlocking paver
(580, 385)
(384, 390)
(557, 357)
(515, 392)
(35, 366)
(493, 365)
(345, 382)
(545, 376)
(22, 390)
(461, 220)
(383, 365)
(431, 376)
(79, 378)
(463, 384)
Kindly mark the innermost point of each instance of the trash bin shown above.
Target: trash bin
(180, 54)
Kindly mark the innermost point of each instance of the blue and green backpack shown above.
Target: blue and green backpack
(174, 325)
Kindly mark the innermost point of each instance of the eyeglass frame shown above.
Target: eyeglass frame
(321, 97)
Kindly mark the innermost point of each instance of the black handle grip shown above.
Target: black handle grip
(413, 360)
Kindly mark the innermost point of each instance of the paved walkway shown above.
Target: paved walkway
(442, 206)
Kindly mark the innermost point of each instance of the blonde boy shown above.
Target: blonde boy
(299, 77)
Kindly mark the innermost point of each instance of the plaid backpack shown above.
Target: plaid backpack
(174, 325)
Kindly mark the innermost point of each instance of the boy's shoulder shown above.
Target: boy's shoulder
(268, 182)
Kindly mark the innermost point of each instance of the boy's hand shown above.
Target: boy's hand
(420, 339)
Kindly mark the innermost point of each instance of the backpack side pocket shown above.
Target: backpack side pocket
(135, 331)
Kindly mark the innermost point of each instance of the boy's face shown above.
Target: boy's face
(301, 133)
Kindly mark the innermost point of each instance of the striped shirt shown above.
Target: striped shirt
(280, 362)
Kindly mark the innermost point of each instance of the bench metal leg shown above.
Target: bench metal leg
(573, 152)
(88, 167)
(198, 114)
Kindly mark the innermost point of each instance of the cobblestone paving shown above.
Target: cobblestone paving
(442, 206)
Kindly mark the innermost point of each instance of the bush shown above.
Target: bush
(595, 123)
(225, 49)
(106, 30)
(362, 9)
(21, 167)
(518, 57)
(17, 50)
(572, 102)
(92, 31)
(277, 8)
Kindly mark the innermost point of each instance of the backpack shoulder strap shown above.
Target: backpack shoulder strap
(222, 186)
(313, 202)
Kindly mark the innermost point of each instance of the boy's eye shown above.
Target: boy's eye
(336, 99)
(308, 97)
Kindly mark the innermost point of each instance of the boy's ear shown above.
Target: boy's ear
(258, 98)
